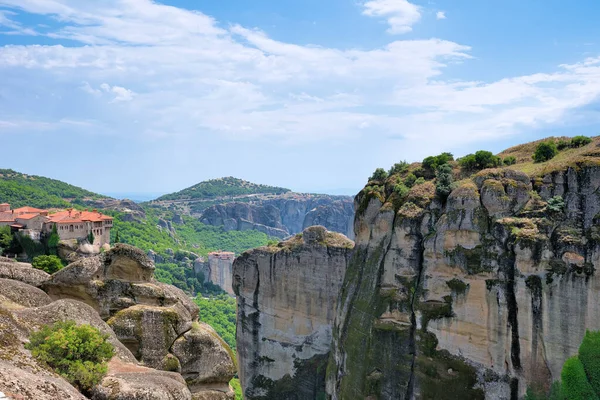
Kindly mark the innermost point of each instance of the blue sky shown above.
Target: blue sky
(139, 96)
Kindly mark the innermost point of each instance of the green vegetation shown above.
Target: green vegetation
(185, 278)
(545, 151)
(580, 141)
(49, 264)
(589, 354)
(432, 163)
(445, 182)
(78, 353)
(219, 312)
(510, 160)
(556, 204)
(6, 239)
(29, 190)
(398, 168)
(480, 160)
(379, 175)
(575, 385)
(237, 388)
(222, 187)
(53, 241)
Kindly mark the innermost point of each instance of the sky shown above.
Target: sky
(136, 96)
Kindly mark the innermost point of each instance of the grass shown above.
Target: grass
(586, 155)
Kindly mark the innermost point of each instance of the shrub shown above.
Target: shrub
(575, 385)
(53, 241)
(510, 160)
(78, 353)
(545, 151)
(556, 204)
(49, 264)
(445, 182)
(482, 159)
(432, 163)
(378, 175)
(563, 144)
(419, 181)
(398, 168)
(589, 355)
(580, 141)
(410, 180)
(401, 189)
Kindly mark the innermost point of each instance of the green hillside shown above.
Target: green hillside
(20, 190)
(222, 187)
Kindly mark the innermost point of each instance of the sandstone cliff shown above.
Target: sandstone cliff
(286, 298)
(479, 296)
(284, 215)
(162, 351)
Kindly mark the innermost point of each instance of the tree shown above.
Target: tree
(510, 160)
(401, 189)
(379, 175)
(482, 159)
(589, 354)
(580, 141)
(545, 151)
(53, 241)
(5, 238)
(91, 237)
(117, 237)
(563, 144)
(78, 353)
(431, 163)
(575, 385)
(410, 180)
(445, 182)
(49, 264)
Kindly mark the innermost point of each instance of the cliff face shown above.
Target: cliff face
(284, 215)
(286, 298)
(478, 297)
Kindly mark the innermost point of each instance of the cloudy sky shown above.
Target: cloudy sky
(140, 96)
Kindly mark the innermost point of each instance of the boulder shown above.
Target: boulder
(133, 382)
(206, 360)
(23, 272)
(22, 294)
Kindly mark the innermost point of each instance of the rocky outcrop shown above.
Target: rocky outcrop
(477, 297)
(286, 296)
(284, 215)
(146, 321)
(217, 269)
(130, 210)
(22, 272)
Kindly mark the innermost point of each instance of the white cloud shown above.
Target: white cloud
(193, 77)
(440, 15)
(401, 15)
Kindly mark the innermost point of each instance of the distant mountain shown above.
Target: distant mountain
(20, 190)
(222, 187)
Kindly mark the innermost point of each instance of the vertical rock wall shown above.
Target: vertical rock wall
(478, 297)
(286, 298)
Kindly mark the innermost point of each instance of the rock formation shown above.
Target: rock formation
(218, 269)
(286, 296)
(147, 321)
(477, 297)
(284, 215)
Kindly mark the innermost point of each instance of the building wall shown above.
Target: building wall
(34, 223)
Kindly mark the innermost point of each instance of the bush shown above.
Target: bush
(556, 204)
(445, 182)
(545, 151)
(398, 168)
(78, 353)
(432, 163)
(49, 264)
(482, 159)
(419, 181)
(378, 175)
(563, 144)
(589, 355)
(410, 180)
(510, 160)
(401, 189)
(575, 385)
(580, 141)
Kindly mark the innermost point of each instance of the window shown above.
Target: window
(71, 228)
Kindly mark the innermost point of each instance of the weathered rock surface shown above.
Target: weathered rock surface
(22, 272)
(475, 298)
(282, 216)
(286, 298)
(148, 321)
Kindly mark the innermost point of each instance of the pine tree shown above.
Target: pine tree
(53, 241)
(91, 237)
(117, 238)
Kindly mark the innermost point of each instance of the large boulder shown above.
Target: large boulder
(206, 360)
(134, 382)
(22, 294)
(22, 272)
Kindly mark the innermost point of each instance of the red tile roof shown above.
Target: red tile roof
(28, 210)
(78, 217)
(27, 216)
